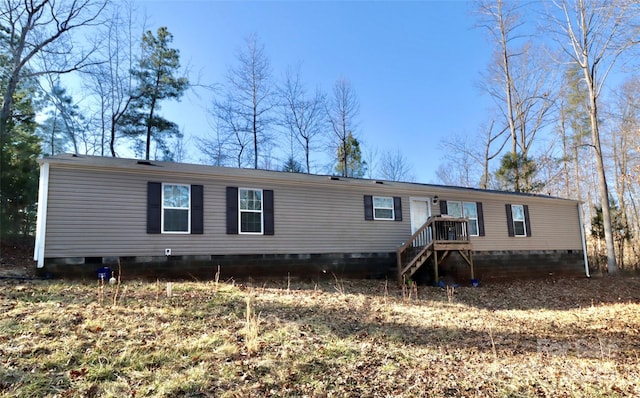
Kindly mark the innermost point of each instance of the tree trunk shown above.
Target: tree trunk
(484, 184)
(508, 82)
(565, 153)
(5, 112)
(255, 138)
(612, 266)
(344, 158)
(103, 126)
(306, 152)
(152, 109)
(112, 141)
(53, 133)
(153, 104)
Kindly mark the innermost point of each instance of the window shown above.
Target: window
(176, 208)
(454, 209)
(468, 210)
(250, 211)
(519, 220)
(383, 208)
(471, 213)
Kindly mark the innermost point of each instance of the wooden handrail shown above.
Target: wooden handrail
(451, 228)
(418, 233)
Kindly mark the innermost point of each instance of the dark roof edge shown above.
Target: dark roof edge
(104, 161)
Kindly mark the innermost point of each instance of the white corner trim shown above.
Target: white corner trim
(41, 224)
(584, 242)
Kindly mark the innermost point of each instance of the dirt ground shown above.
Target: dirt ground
(16, 258)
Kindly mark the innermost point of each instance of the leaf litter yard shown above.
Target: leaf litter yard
(334, 338)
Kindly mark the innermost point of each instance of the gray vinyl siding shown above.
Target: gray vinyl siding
(100, 210)
(98, 213)
(555, 224)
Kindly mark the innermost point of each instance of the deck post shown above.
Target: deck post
(399, 264)
(435, 266)
(467, 256)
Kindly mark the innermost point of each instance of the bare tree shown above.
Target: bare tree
(232, 132)
(491, 139)
(58, 130)
(371, 156)
(181, 148)
(457, 170)
(572, 125)
(594, 35)
(502, 20)
(303, 114)
(473, 156)
(342, 111)
(552, 168)
(249, 101)
(42, 28)
(394, 166)
(110, 83)
(624, 141)
(520, 83)
(535, 94)
(215, 147)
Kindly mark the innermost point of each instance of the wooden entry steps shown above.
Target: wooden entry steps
(437, 238)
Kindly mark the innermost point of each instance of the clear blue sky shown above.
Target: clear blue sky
(414, 65)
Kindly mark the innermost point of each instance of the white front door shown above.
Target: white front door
(420, 213)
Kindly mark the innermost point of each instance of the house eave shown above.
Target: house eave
(270, 176)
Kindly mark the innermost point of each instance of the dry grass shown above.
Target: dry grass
(348, 339)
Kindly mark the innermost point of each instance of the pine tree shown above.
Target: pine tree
(518, 173)
(19, 169)
(157, 80)
(351, 156)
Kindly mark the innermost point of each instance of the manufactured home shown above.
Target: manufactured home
(163, 219)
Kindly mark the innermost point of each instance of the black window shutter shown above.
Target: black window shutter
(267, 196)
(509, 221)
(527, 223)
(197, 209)
(443, 207)
(397, 208)
(154, 207)
(368, 207)
(480, 218)
(232, 210)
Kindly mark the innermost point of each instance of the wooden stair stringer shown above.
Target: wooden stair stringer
(418, 261)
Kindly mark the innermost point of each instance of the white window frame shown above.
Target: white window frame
(187, 209)
(241, 210)
(523, 221)
(475, 219)
(449, 202)
(393, 213)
